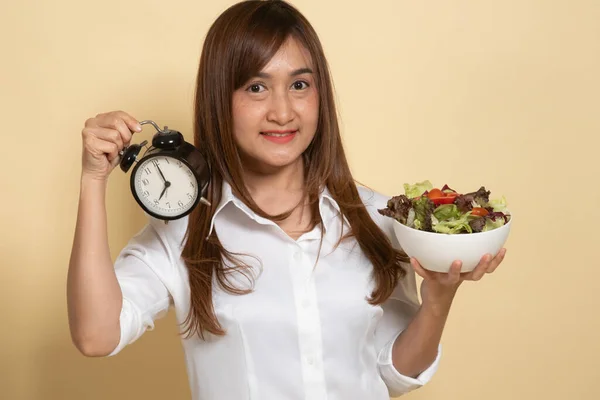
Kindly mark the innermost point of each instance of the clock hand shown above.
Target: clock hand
(163, 192)
(160, 172)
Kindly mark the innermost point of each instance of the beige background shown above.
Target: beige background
(497, 93)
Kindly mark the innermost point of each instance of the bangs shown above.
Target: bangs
(258, 39)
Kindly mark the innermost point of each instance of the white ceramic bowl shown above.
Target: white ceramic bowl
(437, 251)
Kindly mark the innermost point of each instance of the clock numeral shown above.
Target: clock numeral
(179, 164)
(146, 193)
(168, 204)
(145, 182)
(167, 160)
(147, 171)
(189, 195)
(192, 184)
(156, 201)
(180, 203)
(155, 162)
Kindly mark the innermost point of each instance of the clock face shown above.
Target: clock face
(165, 186)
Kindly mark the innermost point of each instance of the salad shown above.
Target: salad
(445, 210)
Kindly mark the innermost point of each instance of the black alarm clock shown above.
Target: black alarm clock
(171, 177)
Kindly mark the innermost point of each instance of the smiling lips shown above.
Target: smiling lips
(279, 137)
(279, 133)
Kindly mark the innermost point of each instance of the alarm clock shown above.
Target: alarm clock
(172, 176)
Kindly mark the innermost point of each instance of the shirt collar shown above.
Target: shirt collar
(326, 196)
(227, 196)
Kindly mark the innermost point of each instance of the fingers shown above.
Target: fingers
(121, 122)
(453, 276)
(115, 127)
(487, 265)
(104, 136)
(124, 131)
(481, 268)
(131, 123)
(94, 138)
(496, 261)
(111, 149)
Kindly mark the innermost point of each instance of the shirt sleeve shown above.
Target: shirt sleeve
(144, 269)
(398, 311)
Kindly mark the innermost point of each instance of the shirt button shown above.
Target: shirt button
(311, 360)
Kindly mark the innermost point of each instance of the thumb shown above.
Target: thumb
(418, 268)
(115, 162)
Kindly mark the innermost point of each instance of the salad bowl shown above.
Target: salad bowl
(439, 226)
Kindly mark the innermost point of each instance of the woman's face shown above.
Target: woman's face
(275, 114)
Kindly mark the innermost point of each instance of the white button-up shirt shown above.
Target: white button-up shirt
(306, 332)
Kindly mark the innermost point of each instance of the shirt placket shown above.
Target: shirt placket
(309, 326)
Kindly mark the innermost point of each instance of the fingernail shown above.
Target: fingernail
(138, 128)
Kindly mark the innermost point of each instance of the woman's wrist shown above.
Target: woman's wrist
(438, 306)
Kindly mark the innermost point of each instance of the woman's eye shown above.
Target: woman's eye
(299, 85)
(255, 88)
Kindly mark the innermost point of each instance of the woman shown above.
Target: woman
(290, 285)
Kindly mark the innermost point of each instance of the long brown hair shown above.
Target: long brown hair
(238, 45)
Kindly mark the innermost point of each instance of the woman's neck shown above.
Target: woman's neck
(281, 192)
(289, 179)
(278, 192)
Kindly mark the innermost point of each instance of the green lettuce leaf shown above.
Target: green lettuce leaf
(447, 211)
(499, 205)
(491, 224)
(452, 226)
(412, 191)
(423, 211)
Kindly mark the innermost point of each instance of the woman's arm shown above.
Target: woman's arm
(416, 348)
(93, 292)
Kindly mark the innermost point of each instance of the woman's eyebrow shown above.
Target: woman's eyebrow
(299, 71)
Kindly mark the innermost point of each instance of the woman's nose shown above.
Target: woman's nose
(281, 109)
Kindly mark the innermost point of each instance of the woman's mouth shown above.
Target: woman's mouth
(279, 137)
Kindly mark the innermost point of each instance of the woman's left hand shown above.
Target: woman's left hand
(439, 288)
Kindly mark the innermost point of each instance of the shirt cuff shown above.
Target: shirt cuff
(397, 383)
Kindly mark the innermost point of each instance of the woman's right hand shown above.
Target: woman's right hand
(104, 136)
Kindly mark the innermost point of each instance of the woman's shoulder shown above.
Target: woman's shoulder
(169, 232)
(375, 201)
(372, 199)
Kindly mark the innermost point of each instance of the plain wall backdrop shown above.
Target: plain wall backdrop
(504, 94)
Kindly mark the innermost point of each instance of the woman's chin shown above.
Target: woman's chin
(279, 161)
